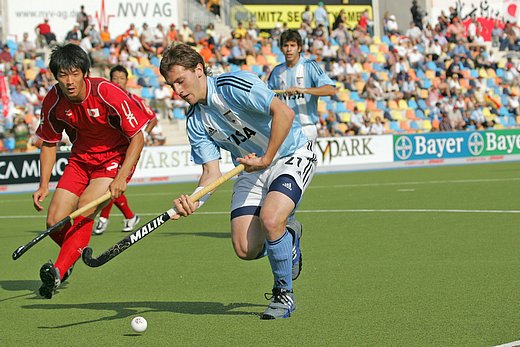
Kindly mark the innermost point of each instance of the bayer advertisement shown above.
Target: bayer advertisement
(456, 145)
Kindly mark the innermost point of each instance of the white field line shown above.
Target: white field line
(510, 344)
(411, 210)
(332, 186)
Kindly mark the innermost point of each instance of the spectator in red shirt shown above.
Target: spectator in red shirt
(104, 124)
(44, 29)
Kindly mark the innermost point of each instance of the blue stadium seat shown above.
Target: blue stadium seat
(155, 61)
(422, 104)
(420, 74)
(394, 125)
(153, 82)
(234, 67)
(426, 83)
(503, 100)
(412, 104)
(340, 107)
(386, 40)
(420, 114)
(148, 72)
(414, 125)
(471, 127)
(257, 69)
(364, 49)
(500, 73)
(354, 96)
(40, 63)
(512, 121)
(474, 73)
(178, 113)
(381, 105)
(503, 111)
(147, 93)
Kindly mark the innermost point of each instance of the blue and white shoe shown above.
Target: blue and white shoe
(295, 228)
(281, 305)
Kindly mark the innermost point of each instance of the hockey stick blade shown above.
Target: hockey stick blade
(125, 243)
(149, 227)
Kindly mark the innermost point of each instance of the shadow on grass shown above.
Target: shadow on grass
(128, 309)
(24, 285)
(226, 235)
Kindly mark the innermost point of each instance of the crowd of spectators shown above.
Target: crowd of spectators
(426, 77)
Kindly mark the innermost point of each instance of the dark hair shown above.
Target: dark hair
(291, 35)
(182, 55)
(68, 57)
(118, 68)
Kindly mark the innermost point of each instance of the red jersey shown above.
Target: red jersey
(104, 121)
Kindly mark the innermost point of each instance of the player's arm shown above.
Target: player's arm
(326, 90)
(151, 124)
(183, 204)
(118, 185)
(283, 117)
(47, 160)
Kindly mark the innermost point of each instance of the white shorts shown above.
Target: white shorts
(311, 131)
(250, 189)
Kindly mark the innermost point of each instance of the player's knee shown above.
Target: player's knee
(271, 225)
(243, 252)
(52, 219)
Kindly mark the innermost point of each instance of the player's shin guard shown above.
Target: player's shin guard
(58, 236)
(280, 257)
(76, 239)
(122, 204)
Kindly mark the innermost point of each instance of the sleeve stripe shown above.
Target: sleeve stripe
(247, 90)
(234, 79)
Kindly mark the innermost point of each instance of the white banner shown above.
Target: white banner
(354, 150)
(24, 15)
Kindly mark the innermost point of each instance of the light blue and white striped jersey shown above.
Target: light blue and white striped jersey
(305, 74)
(236, 118)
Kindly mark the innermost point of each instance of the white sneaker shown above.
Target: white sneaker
(129, 224)
(101, 226)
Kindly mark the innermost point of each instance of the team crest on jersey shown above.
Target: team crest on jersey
(299, 80)
(68, 113)
(93, 112)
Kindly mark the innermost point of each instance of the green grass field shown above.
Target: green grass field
(416, 257)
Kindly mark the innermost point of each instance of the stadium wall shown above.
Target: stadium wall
(168, 164)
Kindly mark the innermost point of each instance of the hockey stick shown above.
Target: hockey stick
(279, 91)
(149, 227)
(22, 249)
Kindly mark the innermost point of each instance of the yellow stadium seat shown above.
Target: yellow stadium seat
(403, 105)
(361, 106)
(397, 115)
(427, 125)
(271, 60)
(345, 117)
(394, 39)
(491, 73)
(374, 49)
(483, 73)
(380, 58)
(423, 94)
(430, 74)
(383, 75)
(344, 95)
(376, 40)
(486, 112)
(502, 63)
(343, 127)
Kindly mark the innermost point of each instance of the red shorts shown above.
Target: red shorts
(83, 168)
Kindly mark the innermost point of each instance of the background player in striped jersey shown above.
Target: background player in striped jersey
(119, 76)
(104, 125)
(303, 81)
(237, 112)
